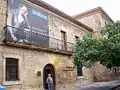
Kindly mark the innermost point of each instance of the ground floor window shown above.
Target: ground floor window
(79, 71)
(12, 71)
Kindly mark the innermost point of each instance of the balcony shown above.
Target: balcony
(33, 38)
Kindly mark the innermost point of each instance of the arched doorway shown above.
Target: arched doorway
(48, 69)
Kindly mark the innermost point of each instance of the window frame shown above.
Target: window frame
(12, 55)
(64, 40)
(9, 69)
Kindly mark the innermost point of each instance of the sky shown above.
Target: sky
(73, 7)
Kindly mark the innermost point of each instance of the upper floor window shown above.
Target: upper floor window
(12, 69)
(76, 38)
(105, 23)
(63, 39)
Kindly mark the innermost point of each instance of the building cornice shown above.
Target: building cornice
(94, 10)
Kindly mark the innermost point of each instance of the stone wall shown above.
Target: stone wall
(94, 21)
(30, 62)
(3, 10)
(56, 24)
(3, 16)
(101, 73)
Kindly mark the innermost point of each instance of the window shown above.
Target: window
(63, 38)
(76, 38)
(12, 69)
(79, 71)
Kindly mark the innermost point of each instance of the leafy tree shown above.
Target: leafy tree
(105, 50)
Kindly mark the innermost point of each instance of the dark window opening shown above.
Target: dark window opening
(105, 23)
(12, 69)
(76, 38)
(79, 71)
(63, 38)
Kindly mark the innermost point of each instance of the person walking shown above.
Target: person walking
(49, 82)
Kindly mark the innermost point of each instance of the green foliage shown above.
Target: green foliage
(87, 51)
(105, 50)
(111, 29)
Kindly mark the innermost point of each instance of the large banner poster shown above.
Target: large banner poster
(29, 24)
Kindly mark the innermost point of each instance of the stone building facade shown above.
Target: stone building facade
(97, 18)
(34, 61)
(94, 18)
(24, 66)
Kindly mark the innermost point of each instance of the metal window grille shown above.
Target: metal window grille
(12, 69)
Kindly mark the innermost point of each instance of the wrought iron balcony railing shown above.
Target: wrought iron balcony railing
(32, 37)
